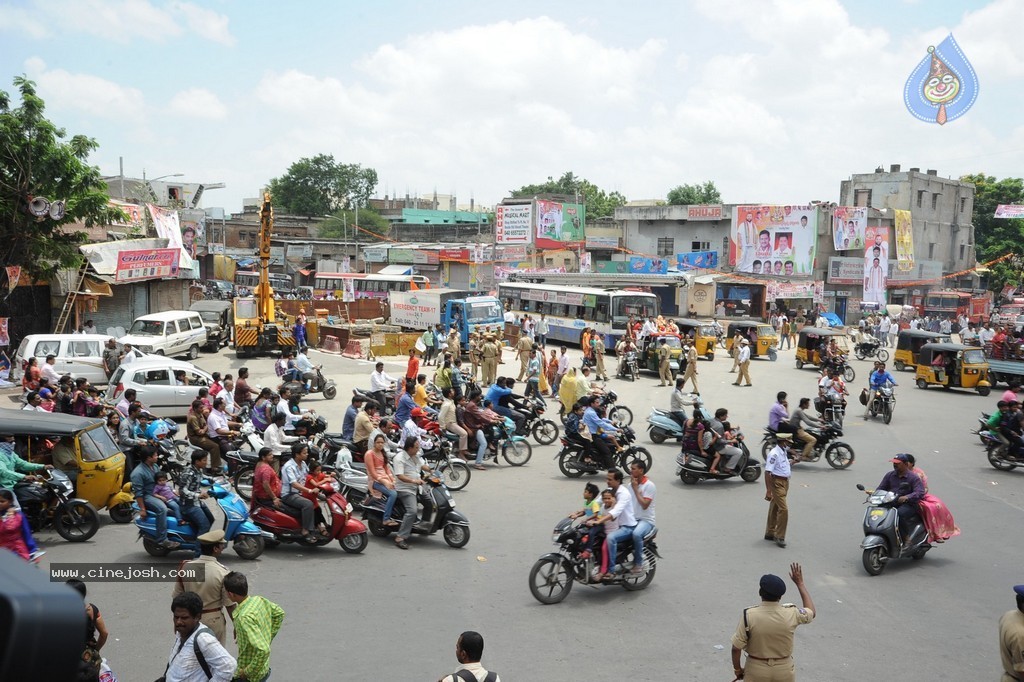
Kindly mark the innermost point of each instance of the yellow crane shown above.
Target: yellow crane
(257, 329)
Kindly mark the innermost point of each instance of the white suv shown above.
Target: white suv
(177, 332)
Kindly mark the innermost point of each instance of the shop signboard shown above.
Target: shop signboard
(513, 224)
(146, 264)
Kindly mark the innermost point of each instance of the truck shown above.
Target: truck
(467, 311)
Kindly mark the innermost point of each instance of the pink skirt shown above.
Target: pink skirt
(937, 519)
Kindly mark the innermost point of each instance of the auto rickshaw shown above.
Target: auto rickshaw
(100, 480)
(909, 341)
(809, 342)
(762, 337)
(650, 355)
(701, 334)
(952, 365)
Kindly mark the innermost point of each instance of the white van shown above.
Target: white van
(176, 332)
(80, 355)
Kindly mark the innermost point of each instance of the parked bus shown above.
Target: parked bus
(366, 285)
(569, 309)
(953, 304)
(278, 282)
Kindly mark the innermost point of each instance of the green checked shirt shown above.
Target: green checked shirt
(257, 621)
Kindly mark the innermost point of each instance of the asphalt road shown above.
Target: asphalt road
(388, 614)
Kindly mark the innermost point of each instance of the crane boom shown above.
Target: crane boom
(264, 294)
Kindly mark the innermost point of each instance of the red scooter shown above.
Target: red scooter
(332, 511)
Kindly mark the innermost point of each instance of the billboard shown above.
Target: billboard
(146, 264)
(696, 259)
(1009, 211)
(512, 224)
(619, 267)
(876, 259)
(559, 225)
(774, 239)
(167, 225)
(850, 270)
(193, 230)
(904, 240)
(848, 226)
(648, 266)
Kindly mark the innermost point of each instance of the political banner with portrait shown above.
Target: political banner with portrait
(777, 240)
(167, 225)
(559, 225)
(876, 260)
(193, 231)
(848, 225)
(904, 240)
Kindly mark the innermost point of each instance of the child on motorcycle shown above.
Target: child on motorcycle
(595, 520)
(165, 492)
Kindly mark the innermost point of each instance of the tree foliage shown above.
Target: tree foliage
(343, 221)
(320, 185)
(684, 195)
(599, 203)
(37, 161)
(993, 236)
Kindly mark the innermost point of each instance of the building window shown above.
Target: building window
(935, 201)
(700, 246)
(725, 245)
(666, 246)
(931, 251)
(963, 250)
(963, 204)
(862, 197)
(920, 198)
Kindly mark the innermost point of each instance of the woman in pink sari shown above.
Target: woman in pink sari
(938, 520)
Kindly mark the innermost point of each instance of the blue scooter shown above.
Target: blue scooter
(662, 426)
(238, 528)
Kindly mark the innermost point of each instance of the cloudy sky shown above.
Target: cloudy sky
(774, 100)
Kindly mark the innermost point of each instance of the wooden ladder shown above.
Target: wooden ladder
(69, 302)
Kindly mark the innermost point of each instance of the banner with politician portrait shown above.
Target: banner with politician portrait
(904, 240)
(777, 240)
(848, 225)
(876, 262)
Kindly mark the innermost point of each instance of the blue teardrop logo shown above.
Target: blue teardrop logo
(943, 86)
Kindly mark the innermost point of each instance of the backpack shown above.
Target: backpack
(198, 653)
(467, 676)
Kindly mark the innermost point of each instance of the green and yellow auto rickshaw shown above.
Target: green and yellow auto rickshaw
(701, 334)
(952, 365)
(808, 345)
(910, 341)
(762, 337)
(650, 360)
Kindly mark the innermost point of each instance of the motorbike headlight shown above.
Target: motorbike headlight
(555, 536)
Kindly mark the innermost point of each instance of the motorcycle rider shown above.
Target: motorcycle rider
(601, 430)
(643, 491)
(406, 404)
(726, 444)
(778, 416)
(498, 394)
(143, 479)
(305, 367)
(409, 468)
(477, 424)
(193, 508)
(380, 383)
(876, 380)
(622, 512)
(678, 403)
(796, 422)
(910, 488)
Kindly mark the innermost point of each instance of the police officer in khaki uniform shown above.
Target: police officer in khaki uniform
(664, 356)
(691, 365)
(454, 344)
(474, 353)
(523, 348)
(1011, 640)
(599, 350)
(765, 632)
(490, 353)
(211, 588)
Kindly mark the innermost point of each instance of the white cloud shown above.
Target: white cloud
(19, 20)
(205, 22)
(198, 103)
(63, 90)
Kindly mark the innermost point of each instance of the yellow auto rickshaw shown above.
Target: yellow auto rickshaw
(701, 334)
(952, 365)
(810, 340)
(762, 337)
(97, 464)
(650, 360)
(909, 341)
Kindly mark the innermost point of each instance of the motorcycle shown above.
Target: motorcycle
(1000, 455)
(662, 426)
(436, 450)
(870, 347)
(438, 508)
(883, 403)
(248, 540)
(575, 459)
(620, 415)
(50, 502)
(982, 427)
(544, 431)
(553, 574)
(831, 408)
(319, 384)
(333, 513)
(628, 366)
(882, 537)
(838, 454)
(502, 436)
(693, 467)
(844, 369)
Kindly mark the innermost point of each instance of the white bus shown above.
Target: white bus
(569, 309)
(366, 285)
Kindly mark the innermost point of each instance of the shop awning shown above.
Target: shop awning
(305, 272)
(396, 270)
(94, 287)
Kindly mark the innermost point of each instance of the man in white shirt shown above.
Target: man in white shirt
(986, 334)
(622, 512)
(276, 439)
(883, 330)
(191, 634)
(776, 480)
(746, 240)
(293, 484)
(649, 329)
(643, 491)
(510, 317)
(49, 371)
(217, 426)
(469, 649)
(542, 331)
(743, 360)
(915, 324)
(409, 468)
(563, 369)
(306, 367)
(380, 383)
(284, 407)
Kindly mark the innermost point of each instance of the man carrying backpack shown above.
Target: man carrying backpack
(195, 646)
(468, 650)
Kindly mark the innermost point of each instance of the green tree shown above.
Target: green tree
(993, 236)
(320, 185)
(341, 223)
(36, 161)
(684, 195)
(599, 203)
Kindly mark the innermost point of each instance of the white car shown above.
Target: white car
(176, 332)
(156, 387)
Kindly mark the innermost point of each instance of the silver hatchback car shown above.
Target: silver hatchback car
(156, 387)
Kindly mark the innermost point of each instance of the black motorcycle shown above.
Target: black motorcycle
(438, 513)
(870, 347)
(628, 368)
(575, 459)
(1000, 455)
(544, 431)
(50, 502)
(838, 454)
(693, 466)
(553, 574)
(620, 415)
(319, 384)
(883, 403)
